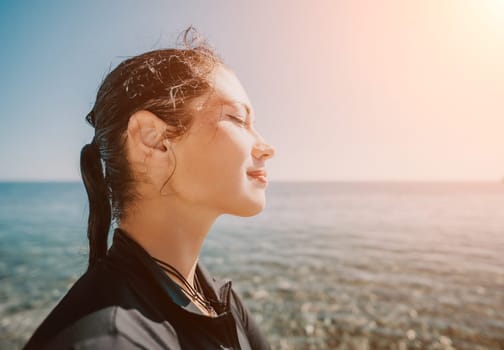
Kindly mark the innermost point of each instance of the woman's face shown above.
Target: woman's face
(214, 156)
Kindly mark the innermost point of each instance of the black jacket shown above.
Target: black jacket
(128, 302)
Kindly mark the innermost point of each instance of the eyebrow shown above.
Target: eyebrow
(243, 104)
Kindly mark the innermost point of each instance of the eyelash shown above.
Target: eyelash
(239, 120)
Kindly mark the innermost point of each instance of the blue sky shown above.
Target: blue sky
(347, 90)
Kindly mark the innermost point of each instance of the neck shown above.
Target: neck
(174, 234)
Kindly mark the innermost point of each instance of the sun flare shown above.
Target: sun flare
(492, 13)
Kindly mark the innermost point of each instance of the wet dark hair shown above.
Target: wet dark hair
(163, 82)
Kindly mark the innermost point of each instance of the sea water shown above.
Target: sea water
(324, 266)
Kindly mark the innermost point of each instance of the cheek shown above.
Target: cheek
(227, 154)
(217, 157)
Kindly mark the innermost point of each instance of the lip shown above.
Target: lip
(259, 175)
(257, 172)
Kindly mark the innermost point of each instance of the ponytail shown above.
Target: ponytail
(99, 206)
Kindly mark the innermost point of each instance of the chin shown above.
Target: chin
(248, 209)
(253, 212)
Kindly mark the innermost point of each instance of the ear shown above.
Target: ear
(147, 132)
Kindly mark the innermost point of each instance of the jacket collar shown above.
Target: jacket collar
(130, 257)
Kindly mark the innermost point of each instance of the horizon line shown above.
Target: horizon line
(296, 181)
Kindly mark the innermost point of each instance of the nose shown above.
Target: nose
(263, 150)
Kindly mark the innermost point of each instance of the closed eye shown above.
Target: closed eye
(240, 121)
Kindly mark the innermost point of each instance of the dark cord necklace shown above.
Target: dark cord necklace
(169, 268)
(192, 292)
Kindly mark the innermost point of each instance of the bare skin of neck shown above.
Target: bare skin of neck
(174, 235)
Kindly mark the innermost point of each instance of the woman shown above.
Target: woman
(174, 129)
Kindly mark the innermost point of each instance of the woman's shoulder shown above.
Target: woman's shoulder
(100, 311)
(115, 328)
(93, 296)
